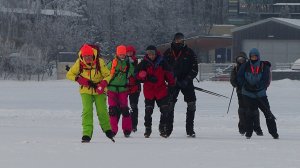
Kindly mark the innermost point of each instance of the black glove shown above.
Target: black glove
(152, 79)
(67, 68)
(92, 84)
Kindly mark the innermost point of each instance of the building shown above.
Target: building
(241, 12)
(278, 39)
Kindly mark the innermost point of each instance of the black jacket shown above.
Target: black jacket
(183, 63)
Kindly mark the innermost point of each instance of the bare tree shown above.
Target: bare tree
(6, 48)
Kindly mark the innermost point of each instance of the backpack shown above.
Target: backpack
(113, 68)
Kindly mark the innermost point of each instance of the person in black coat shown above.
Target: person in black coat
(241, 59)
(184, 65)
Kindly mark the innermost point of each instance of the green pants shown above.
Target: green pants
(87, 113)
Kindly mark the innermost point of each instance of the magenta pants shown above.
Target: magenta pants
(119, 100)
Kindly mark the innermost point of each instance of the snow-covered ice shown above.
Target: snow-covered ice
(40, 127)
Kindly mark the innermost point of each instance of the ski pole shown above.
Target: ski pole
(230, 100)
(210, 92)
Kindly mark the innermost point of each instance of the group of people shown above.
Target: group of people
(163, 77)
(251, 78)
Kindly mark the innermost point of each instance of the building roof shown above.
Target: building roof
(49, 12)
(287, 4)
(295, 23)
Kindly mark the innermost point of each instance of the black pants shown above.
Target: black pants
(252, 105)
(163, 105)
(242, 116)
(134, 100)
(190, 99)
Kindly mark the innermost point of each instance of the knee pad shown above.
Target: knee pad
(191, 106)
(164, 108)
(125, 111)
(149, 110)
(113, 111)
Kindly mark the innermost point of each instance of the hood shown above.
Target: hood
(254, 51)
(87, 50)
(131, 48)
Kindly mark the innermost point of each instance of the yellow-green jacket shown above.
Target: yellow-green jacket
(89, 72)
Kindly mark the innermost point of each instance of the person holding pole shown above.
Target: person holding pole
(241, 59)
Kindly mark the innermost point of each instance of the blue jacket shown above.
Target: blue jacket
(254, 78)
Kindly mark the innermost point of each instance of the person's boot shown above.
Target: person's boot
(127, 134)
(248, 135)
(191, 133)
(85, 139)
(134, 117)
(275, 136)
(259, 132)
(148, 132)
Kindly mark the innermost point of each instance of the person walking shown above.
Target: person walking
(157, 77)
(183, 62)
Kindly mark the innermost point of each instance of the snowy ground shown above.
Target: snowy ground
(40, 127)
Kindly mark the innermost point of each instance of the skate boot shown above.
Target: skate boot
(85, 139)
(148, 132)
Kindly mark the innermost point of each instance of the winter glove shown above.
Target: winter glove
(92, 84)
(67, 68)
(142, 74)
(109, 134)
(82, 81)
(101, 86)
(152, 79)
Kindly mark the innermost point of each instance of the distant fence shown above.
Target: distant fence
(215, 71)
(282, 66)
(221, 72)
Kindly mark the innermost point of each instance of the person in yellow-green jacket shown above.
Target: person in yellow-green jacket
(92, 75)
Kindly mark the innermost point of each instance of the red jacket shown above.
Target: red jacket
(158, 73)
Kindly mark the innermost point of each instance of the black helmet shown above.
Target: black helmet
(151, 47)
(178, 36)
